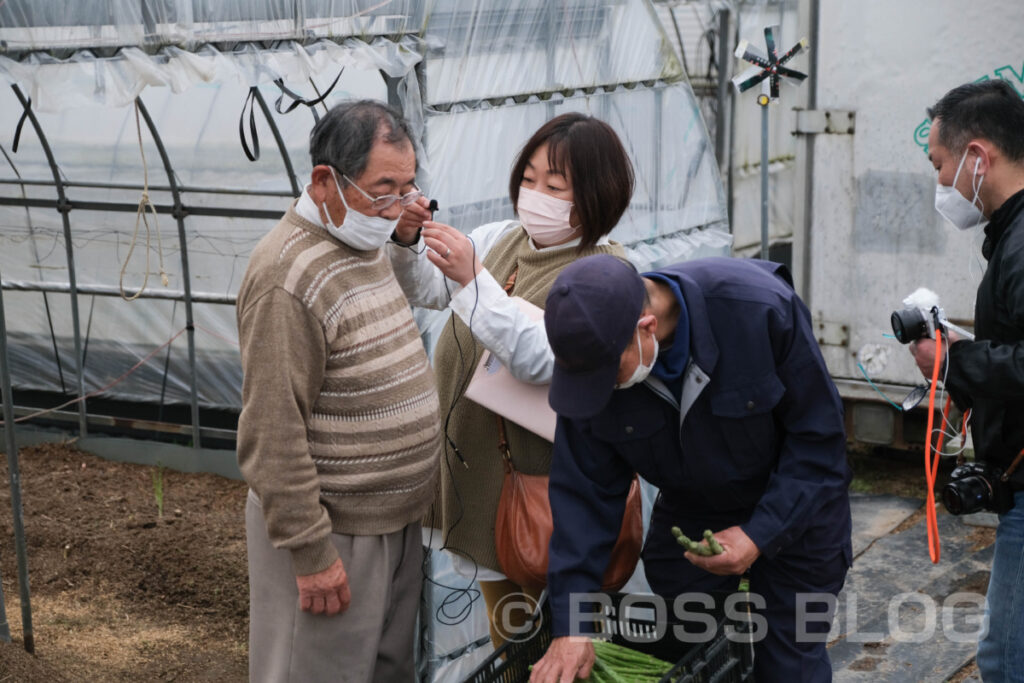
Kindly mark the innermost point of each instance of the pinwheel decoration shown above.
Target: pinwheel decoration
(768, 70)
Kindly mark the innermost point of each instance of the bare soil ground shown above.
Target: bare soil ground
(119, 593)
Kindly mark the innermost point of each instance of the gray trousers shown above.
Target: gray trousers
(371, 641)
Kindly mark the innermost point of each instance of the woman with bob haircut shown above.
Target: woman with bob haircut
(570, 185)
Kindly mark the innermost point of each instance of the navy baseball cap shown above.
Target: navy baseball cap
(590, 316)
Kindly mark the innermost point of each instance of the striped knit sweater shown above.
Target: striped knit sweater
(340, 426)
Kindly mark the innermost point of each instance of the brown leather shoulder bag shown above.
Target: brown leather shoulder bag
(522, 530)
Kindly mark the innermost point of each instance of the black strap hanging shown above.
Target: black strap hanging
(253, 153)
(298, 99)
(250, 101)
(21, 122)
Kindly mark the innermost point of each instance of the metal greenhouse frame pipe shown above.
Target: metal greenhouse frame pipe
(64, 207)
(112, 291)
(125, 207)
(20, 548)
(179, 214)
(659, 97)
(280, 142)
(242, 192)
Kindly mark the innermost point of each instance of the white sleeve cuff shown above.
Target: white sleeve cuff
(483, 293)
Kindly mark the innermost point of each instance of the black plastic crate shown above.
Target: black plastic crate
(512, 661)
(718, 660)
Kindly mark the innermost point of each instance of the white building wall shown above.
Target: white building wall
(874, 234)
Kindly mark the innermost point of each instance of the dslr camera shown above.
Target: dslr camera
(977, 486)
(911, 324)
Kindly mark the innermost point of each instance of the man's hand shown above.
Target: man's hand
(452, 252)
(923, 351)
(567, 658)
(412, 218)
(325, 592)
(739, 553)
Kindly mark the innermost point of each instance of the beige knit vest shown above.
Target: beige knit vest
(468, 501)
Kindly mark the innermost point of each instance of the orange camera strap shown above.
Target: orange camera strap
(931, 456)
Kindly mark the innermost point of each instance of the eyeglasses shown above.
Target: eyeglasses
(386, 200)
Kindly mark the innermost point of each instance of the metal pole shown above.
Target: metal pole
(723, 85)
(64, 207)
(656, 180)
(550, 19)
(391, 83)
(186, 281)
(805, 280)
(679, 38)
(35, 252)
(125, 207)
(12, 468)
(8, 413)
(731, 151)
(764, 178)
(5, 628)
(242, 192)
(114, 291)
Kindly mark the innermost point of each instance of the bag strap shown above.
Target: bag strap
(503, 447)
(506, 453)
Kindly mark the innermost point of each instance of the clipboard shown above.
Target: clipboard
(494, 387)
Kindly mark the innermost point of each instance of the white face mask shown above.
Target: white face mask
(545, 218)
(964, 214)
(642, 371)
(358, 230)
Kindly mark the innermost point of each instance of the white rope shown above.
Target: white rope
(140, 217)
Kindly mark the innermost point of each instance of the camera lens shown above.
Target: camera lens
(967, 495)
(908, 325)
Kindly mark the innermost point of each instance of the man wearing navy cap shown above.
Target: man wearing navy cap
(706, 379)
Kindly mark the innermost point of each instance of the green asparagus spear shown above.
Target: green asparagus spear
(716, 547)
(712, 547)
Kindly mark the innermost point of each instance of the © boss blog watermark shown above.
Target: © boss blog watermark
(517, 617)
(691, 617)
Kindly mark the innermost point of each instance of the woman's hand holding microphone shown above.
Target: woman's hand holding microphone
(448, 249)
(452, 252)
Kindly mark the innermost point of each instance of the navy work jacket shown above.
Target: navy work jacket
(755, 438)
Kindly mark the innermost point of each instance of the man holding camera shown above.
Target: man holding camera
(976, 144)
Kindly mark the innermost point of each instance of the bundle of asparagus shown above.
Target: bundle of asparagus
(711, 547)
(617, 664)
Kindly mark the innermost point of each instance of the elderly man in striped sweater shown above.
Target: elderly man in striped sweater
(339, 436)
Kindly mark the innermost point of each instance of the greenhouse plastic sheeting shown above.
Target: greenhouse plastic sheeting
(82, 93)
(528, 46)
(60, 84)
(476, 50)
(61, 26)
(677, 184)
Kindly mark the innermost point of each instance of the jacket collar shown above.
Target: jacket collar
(1002, 218)
(703, 348)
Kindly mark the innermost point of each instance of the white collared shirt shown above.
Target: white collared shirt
(307, 208)
(519, 343)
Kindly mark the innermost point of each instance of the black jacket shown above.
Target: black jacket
(987, 375)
